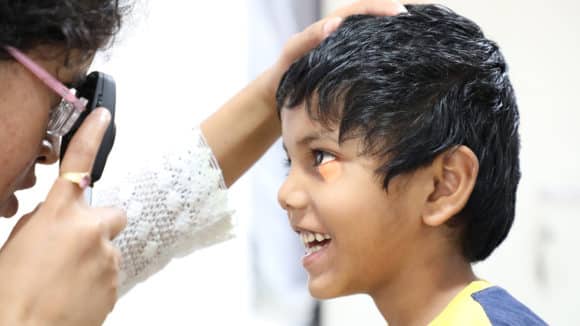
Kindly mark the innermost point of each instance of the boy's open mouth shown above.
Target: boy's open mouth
(314, 241)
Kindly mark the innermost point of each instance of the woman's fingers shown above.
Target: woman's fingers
(113, 220)
(308, 39)
(302, 42)
(371, 7)
(80, 155)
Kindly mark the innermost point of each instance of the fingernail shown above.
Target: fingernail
(104, 115)
(401, 8)
(331, 25)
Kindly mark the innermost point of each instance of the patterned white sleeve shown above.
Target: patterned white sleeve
(175, 204)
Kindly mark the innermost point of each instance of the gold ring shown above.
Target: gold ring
(82, 179)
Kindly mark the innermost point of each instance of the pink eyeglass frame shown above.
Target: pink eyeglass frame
(68, 95)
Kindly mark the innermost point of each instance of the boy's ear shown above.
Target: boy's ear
(454, 175)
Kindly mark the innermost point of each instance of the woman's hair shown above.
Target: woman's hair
(412, 87)
(84, 25)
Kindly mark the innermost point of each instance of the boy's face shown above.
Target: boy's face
(333, 191)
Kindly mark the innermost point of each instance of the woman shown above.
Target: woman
(59, 265)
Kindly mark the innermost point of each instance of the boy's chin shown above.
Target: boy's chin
(322, 289)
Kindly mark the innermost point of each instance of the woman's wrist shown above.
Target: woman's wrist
(267, 84)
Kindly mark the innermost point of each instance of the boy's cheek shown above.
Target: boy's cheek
(330, 171)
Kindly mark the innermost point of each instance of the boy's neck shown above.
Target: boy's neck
(422, 290)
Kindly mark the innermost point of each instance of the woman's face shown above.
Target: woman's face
(25, 104)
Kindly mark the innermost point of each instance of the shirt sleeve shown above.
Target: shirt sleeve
(175, 204)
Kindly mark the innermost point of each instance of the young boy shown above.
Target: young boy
(403, 147)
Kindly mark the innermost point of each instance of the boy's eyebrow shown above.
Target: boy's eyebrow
(315, 136)
(310, 138)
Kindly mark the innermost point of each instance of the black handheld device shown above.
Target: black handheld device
(100, 91)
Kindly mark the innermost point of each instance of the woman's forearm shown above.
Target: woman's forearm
(245, 127)
(176, 202)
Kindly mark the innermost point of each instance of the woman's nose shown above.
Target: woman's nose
(49, 150)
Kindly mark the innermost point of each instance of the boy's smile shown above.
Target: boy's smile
(355, 233)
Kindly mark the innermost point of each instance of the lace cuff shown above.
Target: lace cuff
(175, 205)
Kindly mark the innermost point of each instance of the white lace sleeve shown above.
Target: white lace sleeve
(175, 204)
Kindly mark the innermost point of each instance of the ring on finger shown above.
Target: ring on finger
(82, 179)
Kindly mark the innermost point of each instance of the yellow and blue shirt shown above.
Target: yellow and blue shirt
(482, 304)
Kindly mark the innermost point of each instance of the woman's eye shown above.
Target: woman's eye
(321, 157)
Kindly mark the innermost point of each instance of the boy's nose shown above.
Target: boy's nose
(49, 150)
(291, 196)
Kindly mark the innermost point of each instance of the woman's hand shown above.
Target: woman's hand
(59, 267)
(301, 43)
(247, 125)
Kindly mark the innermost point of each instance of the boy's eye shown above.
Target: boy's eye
(321, 157)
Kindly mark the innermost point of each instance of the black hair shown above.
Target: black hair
(84, 25)
(411, 87)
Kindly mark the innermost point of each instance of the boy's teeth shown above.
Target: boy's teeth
(308, 238)
(312, 249)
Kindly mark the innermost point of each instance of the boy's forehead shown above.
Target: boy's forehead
(299, 128)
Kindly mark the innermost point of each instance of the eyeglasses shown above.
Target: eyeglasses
(67, 112)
